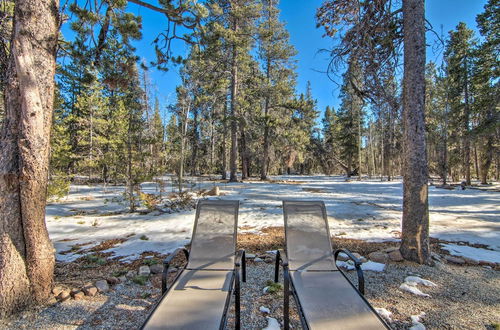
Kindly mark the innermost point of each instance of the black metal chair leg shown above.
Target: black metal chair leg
(286, 295)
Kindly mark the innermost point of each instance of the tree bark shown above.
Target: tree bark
(26, 252)
(415, 224)
(466, 137)
(233, 157)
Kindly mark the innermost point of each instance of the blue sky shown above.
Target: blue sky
(299, 16)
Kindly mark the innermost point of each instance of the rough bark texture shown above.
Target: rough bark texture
(26, 252)
(415, 231)
(233, 158)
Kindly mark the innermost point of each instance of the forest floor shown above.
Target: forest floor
(96, 239)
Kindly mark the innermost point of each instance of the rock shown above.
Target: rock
(173, 270)
(112, 280)
(90, 290)
(102, 286)
(156, 269)
(487, 263)
(395, 256)
(257, 259)
(57, 290)
(123, 279)
(360, 257)
(387, 250)
(454, 260)
(471, 261)
(215, 191)
(435, 256)
(64, 295)
(131, 274)
(155, 213)
(250, 256)
(75, 291)
(269, 260)
(79, 295)
(378, 256)
(144, 271)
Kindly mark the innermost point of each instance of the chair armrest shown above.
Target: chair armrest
(166, 265)
(172, 255)
(280, 256)
(357, 264)
(240, 259)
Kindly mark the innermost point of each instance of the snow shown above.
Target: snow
(369, 265)
(413, 289)
(415, 320)
(264, 309)
(368, 210)
(272, 324)
(415, 280)
(384, 313)
(477, 254)
(373, 266)
(410, 285)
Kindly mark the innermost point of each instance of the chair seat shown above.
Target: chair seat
(329, 302)
(195, 301)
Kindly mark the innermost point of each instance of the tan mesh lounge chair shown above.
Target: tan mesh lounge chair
(200, 295)
(325, 297)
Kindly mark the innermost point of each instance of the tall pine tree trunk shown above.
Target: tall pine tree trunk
(26, 252)
(466, 137)
(233, 158)
(415, 231)
(224, 142)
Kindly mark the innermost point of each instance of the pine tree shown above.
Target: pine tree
(276, 56)
(458, 55)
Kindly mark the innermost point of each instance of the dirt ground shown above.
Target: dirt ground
(466, 297)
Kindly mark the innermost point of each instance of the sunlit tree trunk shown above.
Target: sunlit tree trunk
(26, 252)
(415, 224)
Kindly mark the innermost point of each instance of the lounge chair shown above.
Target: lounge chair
(200, 294)
(325, 297)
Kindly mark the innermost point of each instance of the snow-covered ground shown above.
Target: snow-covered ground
(368, 210)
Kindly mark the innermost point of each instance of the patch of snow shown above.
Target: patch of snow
(373, 266)
(384, 313)
(415, 280)
(470, 252)
(264, 309)
(272, 324)
(415, 320)
(367, 266)
(413, 289)
(265, 289)
(369, 210)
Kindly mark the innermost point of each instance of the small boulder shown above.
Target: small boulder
(156, 269)
(112, 280)
(74, 291)
(342, 257)
(379, 257)
(395, 256)
(57, 290)
(454, 260)
(131, 274)
(257, 259)
(144, 270)
(123, 279)
(102, 286)
(90, 290)
(215, 191)
(487, 263)
(471, 261)
(79, 295)
(173, 270)
(64, 295)
(250, 256)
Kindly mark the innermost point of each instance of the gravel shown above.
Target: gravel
(466, 297)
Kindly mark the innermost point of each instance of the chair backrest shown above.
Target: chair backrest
(213, 243)
(307, 236)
